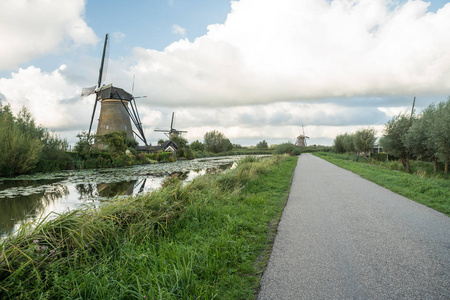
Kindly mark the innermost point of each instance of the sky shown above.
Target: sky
(252, 69)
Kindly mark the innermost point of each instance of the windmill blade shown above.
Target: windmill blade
(161, 130)
(92, 118)
(87, 91)
(103, 65)
(171, 123)
(100, 76)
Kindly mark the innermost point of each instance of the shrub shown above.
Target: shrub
(262, 145)
(287, 148)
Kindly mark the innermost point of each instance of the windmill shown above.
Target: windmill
(118, 107)
(172, 130)
(301, 139)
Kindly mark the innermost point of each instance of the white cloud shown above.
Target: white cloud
(282, 121)
(257, 76)
(32, 28)
(177, 29)
(287, 50)
(53, 101)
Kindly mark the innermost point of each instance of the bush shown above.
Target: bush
(379, 156)
(287, 148)
(262, 145)
(216, 142)
(197, 146)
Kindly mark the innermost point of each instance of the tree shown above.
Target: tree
(394, 139)
(364, 139)
(84, 145)
(348, 141)
(262, 145)
(196, 146)
(20, 148)
(226, 145)
(117, 142)
(420, 138)
(215, 141)
(440, 132)
(179, 141)
(339, 145)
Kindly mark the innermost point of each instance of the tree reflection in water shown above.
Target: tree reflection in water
(20, 209)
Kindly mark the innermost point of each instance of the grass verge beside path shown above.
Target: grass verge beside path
(432, 192)
(206, 240)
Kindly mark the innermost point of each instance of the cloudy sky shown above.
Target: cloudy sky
(252, 69)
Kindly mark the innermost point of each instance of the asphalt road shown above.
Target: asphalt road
(343, 237)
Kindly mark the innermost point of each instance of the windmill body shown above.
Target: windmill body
(113, 111)
(301, 139)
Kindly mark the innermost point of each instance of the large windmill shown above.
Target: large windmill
(301, 139)
(118, 107)
(171, 131)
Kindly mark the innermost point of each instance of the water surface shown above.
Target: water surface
(27, 198)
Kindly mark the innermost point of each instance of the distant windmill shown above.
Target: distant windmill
(172, 130)
(118, 107)
(301, 139)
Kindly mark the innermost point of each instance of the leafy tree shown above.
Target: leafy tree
(420, 138)
(227, 145)
(262, 145)
(364, 139)
(54, 154)
(197, 146)
(440, 132)
(179, 141)
(85, 144)
(160, 142)
(116, 142)
(20, 148)
(339, 144)
(215, 141)
(394, 139)
(349, 144)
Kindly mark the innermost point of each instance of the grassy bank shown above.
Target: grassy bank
(209, 239)
(431, 191)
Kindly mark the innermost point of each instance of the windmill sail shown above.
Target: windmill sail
(100, 75)
(172, 130)
(88, 91)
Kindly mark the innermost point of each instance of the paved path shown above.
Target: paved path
(343, 237)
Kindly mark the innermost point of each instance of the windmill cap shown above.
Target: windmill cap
(111, 92)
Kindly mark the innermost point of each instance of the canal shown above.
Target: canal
(28, 198)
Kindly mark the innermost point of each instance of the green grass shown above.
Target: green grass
(432, 191)
(208, 240)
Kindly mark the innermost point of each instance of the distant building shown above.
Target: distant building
(377, 149)
(167, 146)
(301, 141)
